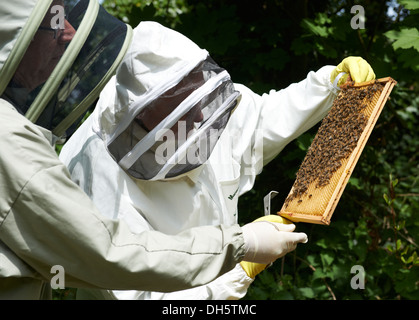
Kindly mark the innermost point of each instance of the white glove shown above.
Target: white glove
(267, 241)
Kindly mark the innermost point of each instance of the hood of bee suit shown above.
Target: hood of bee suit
(95, 45)
(165, 109)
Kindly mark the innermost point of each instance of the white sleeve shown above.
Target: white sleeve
(262, 126)
(232, 285)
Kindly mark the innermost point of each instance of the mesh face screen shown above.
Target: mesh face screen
(335, 149)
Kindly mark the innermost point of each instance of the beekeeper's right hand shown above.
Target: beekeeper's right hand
(266, 241)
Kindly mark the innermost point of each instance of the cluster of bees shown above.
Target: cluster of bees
(335, 140)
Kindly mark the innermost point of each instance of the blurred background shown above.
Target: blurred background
(270, 44)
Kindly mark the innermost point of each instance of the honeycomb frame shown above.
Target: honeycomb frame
(317, 204)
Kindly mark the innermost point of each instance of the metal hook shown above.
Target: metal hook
(267, 202)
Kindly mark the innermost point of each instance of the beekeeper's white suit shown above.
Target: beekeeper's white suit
(114, 155)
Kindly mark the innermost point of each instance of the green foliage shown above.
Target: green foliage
(405, 38)
(270, 44)
(133, 11)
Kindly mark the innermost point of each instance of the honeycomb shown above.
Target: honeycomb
(335, 149)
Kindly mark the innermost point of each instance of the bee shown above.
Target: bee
(337, 137)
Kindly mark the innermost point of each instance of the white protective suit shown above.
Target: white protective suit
(45, 218)
(259, 128)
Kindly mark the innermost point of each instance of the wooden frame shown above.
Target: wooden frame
(320, 203)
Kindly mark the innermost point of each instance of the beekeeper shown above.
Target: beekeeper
(173, 143)
(55, 58)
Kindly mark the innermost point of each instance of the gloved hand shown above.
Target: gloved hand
(267, 239)
(252, 269)
(356, 67)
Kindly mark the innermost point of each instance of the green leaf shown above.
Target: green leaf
(307, 292)
(312, 259)
(315, 29)
(355, 183)
(407, 261)
(400, 225)
(322, 243)
(327, 259)
(405, 38)
(410, 4)
(398, 244)
(387, 200)
(318, 274)
(304, 141)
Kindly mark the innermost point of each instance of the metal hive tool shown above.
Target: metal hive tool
(334, 152)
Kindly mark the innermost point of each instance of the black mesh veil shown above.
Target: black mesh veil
(93, 62)
(80, 86)
(177, 131)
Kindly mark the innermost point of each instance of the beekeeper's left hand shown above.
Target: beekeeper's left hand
(252, 269)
